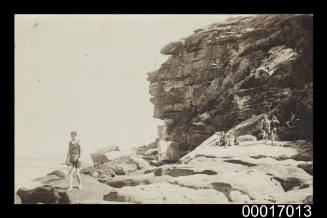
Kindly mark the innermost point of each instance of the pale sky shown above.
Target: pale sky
(88, 73)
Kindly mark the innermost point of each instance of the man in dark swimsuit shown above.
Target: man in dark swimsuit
(72, 159)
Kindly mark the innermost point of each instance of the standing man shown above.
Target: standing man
(72, 159)
(265, 128)
(275, 125)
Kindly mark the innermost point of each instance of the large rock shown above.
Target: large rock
(233, 72)
(99, 158)
(120, 166)
(44, 194)
(103, 155)
(58, 173)
(92, 190)
(48, 178)
(168, 150)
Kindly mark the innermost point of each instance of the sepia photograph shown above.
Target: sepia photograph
(163, 109)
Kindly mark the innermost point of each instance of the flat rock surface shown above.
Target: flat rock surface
(246, 173)
(92, 190)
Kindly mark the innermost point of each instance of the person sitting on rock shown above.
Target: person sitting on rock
(265, 128)
(236, 142)
(275, 125)
(225, 141)
(72, 159)
(219, 141)
(231, 139)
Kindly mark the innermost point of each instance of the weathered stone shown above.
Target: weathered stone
(43, 194)
(172, 48)
(168, 150)
(239, 70)
(58, 173)
(99, 158)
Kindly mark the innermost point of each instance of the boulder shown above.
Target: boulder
(58, 173)
(112, 155)
(48, 178)
(120, 166)
(244, 138)
(43, 194)
(168, 150)
(108, 149)
(92, 190)
(99, 158)
(103, 155)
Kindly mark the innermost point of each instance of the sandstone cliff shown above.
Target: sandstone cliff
(231, 71)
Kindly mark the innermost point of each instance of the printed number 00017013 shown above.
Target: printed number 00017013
(276, 211)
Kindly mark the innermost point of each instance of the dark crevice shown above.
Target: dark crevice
(225, 188)
(240, 162)
(288, 183)
(188, 172)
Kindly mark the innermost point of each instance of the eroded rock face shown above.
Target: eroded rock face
(232, 71)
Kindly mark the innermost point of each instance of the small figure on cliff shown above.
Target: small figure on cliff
(220, 141)
(72, 159)
(231, 139)
(226, 140)
(236, 142)
(265, 128)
